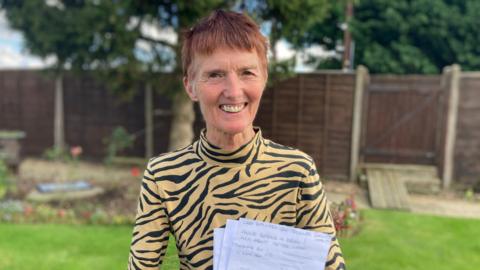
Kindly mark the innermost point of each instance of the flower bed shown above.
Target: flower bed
(346, 217)
(15, 211)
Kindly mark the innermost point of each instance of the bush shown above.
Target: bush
(56, 153)
(3, 179)
(118, 141)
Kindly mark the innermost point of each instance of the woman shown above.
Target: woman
(231, 171)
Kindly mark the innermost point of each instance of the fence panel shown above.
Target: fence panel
(313, 112)
(403, 119)
(467, 145)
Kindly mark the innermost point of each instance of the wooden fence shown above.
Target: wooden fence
(467, 143)
(403, 118)
(313, 112)
(91, 113)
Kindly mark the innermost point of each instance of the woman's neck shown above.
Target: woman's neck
(229, 141)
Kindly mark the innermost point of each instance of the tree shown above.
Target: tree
(119, 40)
(410, 36)
(290, 21)
(328, 34)
(49, 32)
(420, 36)
(110, 37)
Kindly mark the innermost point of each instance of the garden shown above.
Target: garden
(387, 240)
(72, 229)
(71, 232)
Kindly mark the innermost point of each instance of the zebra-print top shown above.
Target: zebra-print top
(191, 191)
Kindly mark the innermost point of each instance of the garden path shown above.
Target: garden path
(444, 204)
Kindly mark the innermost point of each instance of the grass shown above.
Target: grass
(388, 240)
(52, 247)
(55, 247)
(399, 240)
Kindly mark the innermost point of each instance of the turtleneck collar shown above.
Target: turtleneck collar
(244, 155)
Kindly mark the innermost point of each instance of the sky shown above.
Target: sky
(13, 55)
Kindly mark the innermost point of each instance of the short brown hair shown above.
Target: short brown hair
(225, 29)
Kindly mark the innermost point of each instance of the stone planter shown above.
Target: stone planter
(10, 147)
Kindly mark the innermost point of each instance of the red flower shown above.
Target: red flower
(27, 210)
(86, 215)
(135, 171)
(76, 151)
(61, 213)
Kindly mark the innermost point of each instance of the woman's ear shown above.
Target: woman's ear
(189, 87)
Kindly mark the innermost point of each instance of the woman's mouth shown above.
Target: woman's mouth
(232, 108)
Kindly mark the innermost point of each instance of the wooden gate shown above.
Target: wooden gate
(403, 120)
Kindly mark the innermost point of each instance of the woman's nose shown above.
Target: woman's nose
(233, 86)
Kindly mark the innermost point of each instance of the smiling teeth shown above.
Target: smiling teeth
(232, 108)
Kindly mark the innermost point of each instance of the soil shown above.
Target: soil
(120, 185)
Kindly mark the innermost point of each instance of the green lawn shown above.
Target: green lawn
(388, 240)
(26, 247)
(398, 240)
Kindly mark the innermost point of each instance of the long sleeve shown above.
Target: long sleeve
(313, 213)
(151, 230)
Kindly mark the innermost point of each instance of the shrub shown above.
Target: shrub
(119, 140)
(3, 179)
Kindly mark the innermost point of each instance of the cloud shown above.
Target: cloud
(155, 31)
(11, 53)
(13, 59)
(7, 34)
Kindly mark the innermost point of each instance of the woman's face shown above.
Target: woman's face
(228, 84)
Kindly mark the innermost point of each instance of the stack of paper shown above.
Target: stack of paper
(247, 244)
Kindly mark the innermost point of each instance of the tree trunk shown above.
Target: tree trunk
(59, 125)
(183, 116)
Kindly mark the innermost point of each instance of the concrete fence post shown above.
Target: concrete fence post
(149, 121)
(452, 116)
(360, 81)
(59, 122)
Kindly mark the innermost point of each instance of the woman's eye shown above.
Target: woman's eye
(248, 73)
(215, 75)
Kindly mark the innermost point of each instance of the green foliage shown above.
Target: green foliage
(4, 174)
(56, 154)
(105, 35)
(9, 210)
(286, 20)
(280, 70)
(329, 35)
(406, 36)
(118, 141)
(3, 171)
(469, 194)
(420, 36)
(109, 37)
